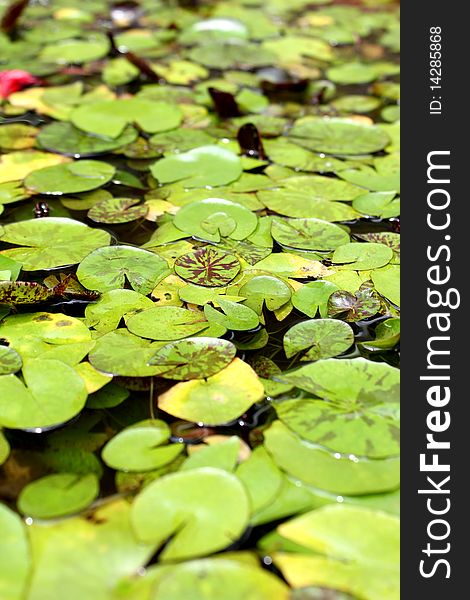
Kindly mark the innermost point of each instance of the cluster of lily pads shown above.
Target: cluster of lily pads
(199, 300)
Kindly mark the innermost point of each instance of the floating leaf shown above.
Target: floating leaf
(360, 547)
(16, 560)
(18, 165)
(42, 400)
(308, 234)
(24, 292)
(360, 430)
(235, 316)
(387, 336)
(361, 305)
(109, 268)
(66, 139)
(202, 166)
(338, 136)
(194, 358)
(387, 282)
(323, 338)
(75, 51)
(140, 447)
(58, 495)
(264, 289)
(51, 242)
(166, 323)
(205, 578)
(109, 118)
(117, 210)
(201, 510)
(213, 218)
(334, 472)
(121, 353)
(378, 204)
(291, 265)
(70, 178)
(362, 256)
(216, 400)
(105, 314)
(10, 361)
(313, 297)
(348, 380)
(209, 267)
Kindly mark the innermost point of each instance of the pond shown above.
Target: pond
(199, 300)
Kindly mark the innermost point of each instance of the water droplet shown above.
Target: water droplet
(339, 499)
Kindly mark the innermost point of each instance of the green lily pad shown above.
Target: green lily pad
(166, 323)
(121, 353)
(10, 361)
(51, 242)
(70, 178)
(117, 210)
(341, 380)
(58, 495)
(338, 136)
(213, 218)
(333, 472)
(387, 336)
(109, 118)
(105, 314)
(356, 103)
(308, 234)
(179, 140)
(216, 400)
(75, 51)
(42, 400)
(265, 290)
(206, 165)
(360, 551)
(378, 204)
(203, 580)
(109, 268)
(140, 447)
(14, 293)
(66, 139)
(234, 316)
(387, 282)
(201, 510)
(323, 338)
(208, 267)
(313, 297)
(358, 430)
(362, 256)
(17, 136)
(218, 55)
(16, 560)
(361, 305)
(194, 358)
(4, 448)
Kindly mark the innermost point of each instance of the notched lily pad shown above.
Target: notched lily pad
(322, 338)
(70, 178)
(209, 267)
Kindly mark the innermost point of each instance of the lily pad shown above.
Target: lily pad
(58, 495)
(313, 297)
(10, 361)
(338, 136)
(379, 204)
(359, 430)
(109, 268)
(206, 165)
(213, 218)
(362, 256)
(194, 358)
(70, 178)
(64, 138)
(75, 51)
(216, 400)
(308, 234)
(166, 323)
(361, 305)
(51, 242)
(234, 316)
(109, 118)
(365, 561)
(323, 338)
(209, 267)
(348, 380)
(343, 474)
(117, 210)
(140, 447)
(265, 290)
(196, 512)
(42, 400)
(16, 560)
(105, 314)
